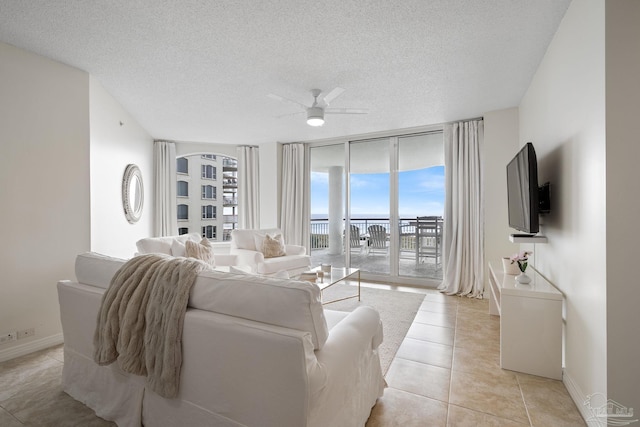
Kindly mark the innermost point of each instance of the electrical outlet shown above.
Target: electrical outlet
(26, 333)
(8, 336)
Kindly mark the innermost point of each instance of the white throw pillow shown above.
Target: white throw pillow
(178, 248)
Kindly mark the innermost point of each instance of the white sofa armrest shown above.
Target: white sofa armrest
(226, 259)
(351, 363)
(358, 332)
(295, 250)
(248, 257)
(359, 329)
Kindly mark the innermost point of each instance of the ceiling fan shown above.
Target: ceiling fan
(317, 110)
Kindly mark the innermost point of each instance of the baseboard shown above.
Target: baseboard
(579, 398)
(30, 347)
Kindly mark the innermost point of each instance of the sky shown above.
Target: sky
(421, 193)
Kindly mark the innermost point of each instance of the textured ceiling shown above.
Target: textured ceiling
(199, 70)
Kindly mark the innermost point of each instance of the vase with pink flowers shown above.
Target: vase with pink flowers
(522, 259)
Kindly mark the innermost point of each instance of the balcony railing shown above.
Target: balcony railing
(230, 218)
(230, 201)
(407, 231)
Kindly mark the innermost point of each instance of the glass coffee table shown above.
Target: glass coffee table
(337, 275)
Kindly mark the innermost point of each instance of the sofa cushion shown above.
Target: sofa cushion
(289, 262)
(280, 302)
(288, 303)
(162, 245)
(96, 269)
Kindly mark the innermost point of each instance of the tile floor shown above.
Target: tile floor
(446, 373)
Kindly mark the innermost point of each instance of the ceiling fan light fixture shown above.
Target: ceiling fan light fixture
(315, 116)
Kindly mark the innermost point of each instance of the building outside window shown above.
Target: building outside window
(183, 189)
(209, 192)
(183, 212)
(182, 165)
(208, 172)
(216, 213)
(209, 231)
(208, 212)
(183, 230)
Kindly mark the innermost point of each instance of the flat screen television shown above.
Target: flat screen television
(522, 191)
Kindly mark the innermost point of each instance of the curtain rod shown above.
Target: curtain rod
(465, 120)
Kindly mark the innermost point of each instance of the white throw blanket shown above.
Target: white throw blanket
(141, 317)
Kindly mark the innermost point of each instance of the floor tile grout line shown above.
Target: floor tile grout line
(453, 347)
(524, 402)
(422, 363)
(419, 395)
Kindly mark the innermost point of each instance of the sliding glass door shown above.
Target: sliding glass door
(377, 204)
(420, 205)
(369, 205)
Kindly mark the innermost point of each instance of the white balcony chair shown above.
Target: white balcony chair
(429, 239)
(355, 243)
(378, 239)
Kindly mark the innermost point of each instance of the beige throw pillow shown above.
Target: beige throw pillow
(273, 246)
(202, 251)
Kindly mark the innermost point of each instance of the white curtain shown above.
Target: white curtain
(248, 187)
(165, 212)
(464, 214)
(294, 210)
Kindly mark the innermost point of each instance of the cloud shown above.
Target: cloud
(435, 183)
(319, 177)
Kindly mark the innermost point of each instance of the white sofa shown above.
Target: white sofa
(243, 246)
(257, 351)
(167, 245)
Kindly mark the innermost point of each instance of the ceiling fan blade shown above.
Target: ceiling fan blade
(283, 99)
(332, 95)
(290, 114)
(346, 111)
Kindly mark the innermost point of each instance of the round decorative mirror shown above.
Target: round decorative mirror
(132, 193)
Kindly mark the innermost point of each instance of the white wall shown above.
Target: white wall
(563, 114)
(501, 143)
(623, 205)
(44, 188)
(116, 141)
(184, 148)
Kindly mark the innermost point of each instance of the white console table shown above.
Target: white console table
(530, 323)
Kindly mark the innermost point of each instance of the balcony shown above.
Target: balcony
(229, 165)
(412, 262)
(229, 201)
(230, 219)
